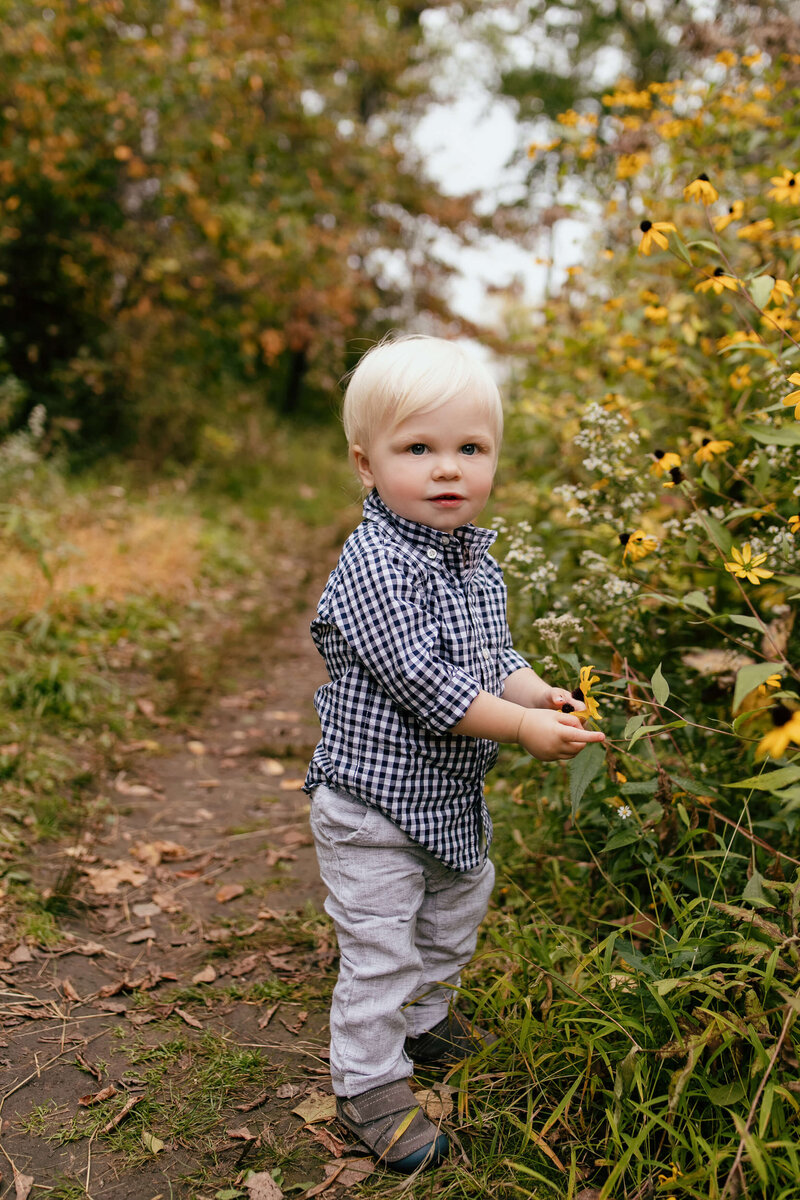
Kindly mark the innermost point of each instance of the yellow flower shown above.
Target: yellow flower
(794, 397)
(794, 523)
(740, 377)
(637, 545)
(781, 292)
(785, 188)
(747, 566)
(718, 282)
(665, 461)
(756, 231)
(785, 729)
(709, 448)
(728, 59)
(700, 189)
(585, 685)
(629, 165)
(654, 232)
(735, 213)
(772, 681)
(656, 312)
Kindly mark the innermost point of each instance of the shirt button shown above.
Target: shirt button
(431, 553)
(485, 652)
(445, 541)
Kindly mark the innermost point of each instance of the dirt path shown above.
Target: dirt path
(196, 970)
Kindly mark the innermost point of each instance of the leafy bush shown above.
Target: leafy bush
(650, 517)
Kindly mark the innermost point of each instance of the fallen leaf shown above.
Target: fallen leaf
(22, 1186)
(267, 1017)
(206, 975)
(346, 1173)
(87, 1066)
(150, 909)
(156, 852)
(112, 1006)
(287, 1091)
(332, 1144)
(188, 1018)
(151, 1142)
(302, 1017)
(90, 949)
(241, 1135)
(167, 902)
(229, 891)
(67, 990)
(148, 709)
(148, 934)
(278, 963)
(273, 857)
(197, 748)
(206, 783)
(269, 914)
(270, 766)
(436, 1102)
(98, 1097)
(20, 954)
(318, 1107)
(245, 966)
(122, 1114)
(292, 785)
(262, 1186)
(297, 837)
(105, 880)
(255, 1103)
(124, 788)
(279, 714)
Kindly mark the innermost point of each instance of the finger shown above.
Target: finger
(557, 698)
(570, 719)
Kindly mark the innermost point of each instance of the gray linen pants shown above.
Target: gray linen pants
(406, 925)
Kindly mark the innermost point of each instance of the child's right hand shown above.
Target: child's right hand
(552, 736)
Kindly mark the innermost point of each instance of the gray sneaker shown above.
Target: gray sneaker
(389, 1120)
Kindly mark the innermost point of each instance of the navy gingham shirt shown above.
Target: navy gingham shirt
(412, 626)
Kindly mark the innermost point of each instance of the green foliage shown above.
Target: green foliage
(650, 528)
(191, 199)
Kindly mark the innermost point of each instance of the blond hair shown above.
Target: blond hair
(411, 373)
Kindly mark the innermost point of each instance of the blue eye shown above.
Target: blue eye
(470, 448)
(417, 448)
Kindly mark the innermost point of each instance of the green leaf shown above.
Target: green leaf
(698, 600)
(760, 289)
(769, 781)
(789, 580)
(727, 1094)
(639, 787)
(751, 677)
(647, 729)
(762, 473)
(709, 478)
(582, 770)
(633, 724)
(768, 435)
(691, 548)
(660, 686)
(681, 248)
(704, 245)
(721, 536)
(748, 622)
(757, 893)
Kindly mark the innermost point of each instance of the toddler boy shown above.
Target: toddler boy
(424, 681)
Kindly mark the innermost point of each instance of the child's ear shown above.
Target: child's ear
(361, 463)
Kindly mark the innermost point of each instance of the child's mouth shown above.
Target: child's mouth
(447, 498)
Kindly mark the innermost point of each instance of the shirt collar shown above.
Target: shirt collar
(471, 541)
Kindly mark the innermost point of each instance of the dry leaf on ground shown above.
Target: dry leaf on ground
(291, 785)
(22, 1186)
(332, 1144)
(245, 966)
(287, 1091)
(262, 1186)
(270, 766)
(98, 1097)
(255, 1103)
(318, 1107)
(153, 853)
(105, 880)
(67, 990)
(188, 1018)
(229, 891)
(124, 788)
(206, 975)
(20, 954)
(242, 1134)
(343, 1174)
(151, 1142)
(437, 1101)
(148, 934)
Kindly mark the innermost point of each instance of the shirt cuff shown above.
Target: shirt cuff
(509, 662)
(453, 700)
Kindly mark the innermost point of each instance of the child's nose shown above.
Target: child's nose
(447, 466)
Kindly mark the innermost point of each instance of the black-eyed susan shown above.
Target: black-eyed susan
(637, 545)
(718, 282)
(794, 397)
(701, 189)
(654, 233)
(665, 460)
(584, 691)
(781, 292)
(785, 729)
(676, 476)
(739, 377)
(785, 188)
(656, 312)
(772, 681)
(746, 565)
(709, 449)
(794, 523)
(756, 231)
(735, 213)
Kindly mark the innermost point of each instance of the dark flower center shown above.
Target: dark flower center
(577, 693)
(781, 715)
(731, 209)
(791, 182)
(719, 270)
(568, 708)
(658, 453)
(676, 475)
(703, 177)
(624, 539)
(706, 441)
(645, 225)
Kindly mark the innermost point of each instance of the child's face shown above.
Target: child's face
(435, 467)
